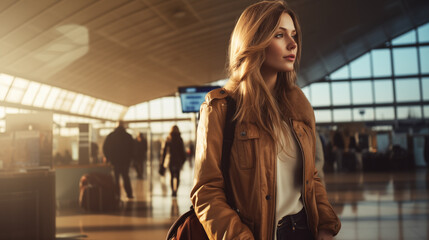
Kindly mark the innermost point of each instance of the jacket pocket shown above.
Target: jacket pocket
(248, 222)
(247, 138)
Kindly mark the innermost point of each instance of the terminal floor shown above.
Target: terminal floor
(388, 205)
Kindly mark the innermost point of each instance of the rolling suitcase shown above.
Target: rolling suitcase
(97, 192)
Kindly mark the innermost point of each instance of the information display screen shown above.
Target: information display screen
(193, 96)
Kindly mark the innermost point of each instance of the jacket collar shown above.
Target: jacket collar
(300, 107)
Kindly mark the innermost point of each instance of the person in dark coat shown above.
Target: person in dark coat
(175, 148)
(338, 149)
(118, 149)
(140, 152)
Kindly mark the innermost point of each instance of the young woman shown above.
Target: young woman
(276, 190)
(175, 148)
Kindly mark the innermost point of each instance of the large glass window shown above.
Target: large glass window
(184, 128)
(161, 108)
(83, 104)
(306, 91)
(17, 90)
(155, 107)
(406, 38)
(383, 91)
(342, 115)
(342, 73)
(31, 93)
(340, 93)
(76, 103)
(363, 114)
(381, 62)
(409, 112)
(139, 125)
(52, 98)
(362, 92)
(426, 111)
(142, 111)
(114, 111)
(323, 116)
(41, 96)
(407, 90)
(139, 111)
(424, 59)
(158, 127)
(12, 110)
(89, 106)
(360, 68)
(131, 113)
(423, 32)
(168, 107)
(97, 108)
(5, 82)
(405, 61)
(68, 101)
(2, 112)
(320, 94)
(103, 109)
(425, 85)
(60, 99)
(25, 92)
(384, 113)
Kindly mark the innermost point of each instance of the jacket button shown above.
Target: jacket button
(306, 182)
(268, 197)
(222, 92)
(243, 133)
(300, 135)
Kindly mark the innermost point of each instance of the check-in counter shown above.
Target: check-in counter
(27, 204)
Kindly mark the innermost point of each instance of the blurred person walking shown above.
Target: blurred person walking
(118, 149)
(140, 153)
(338, 149)
(173, 157)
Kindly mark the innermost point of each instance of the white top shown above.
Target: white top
(289, 178)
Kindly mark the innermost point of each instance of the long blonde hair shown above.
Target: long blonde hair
(252, 34)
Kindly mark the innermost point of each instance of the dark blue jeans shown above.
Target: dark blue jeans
(294, 227)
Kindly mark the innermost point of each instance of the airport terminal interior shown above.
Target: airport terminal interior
(72, 70)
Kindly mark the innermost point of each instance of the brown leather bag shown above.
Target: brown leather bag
(187, 226)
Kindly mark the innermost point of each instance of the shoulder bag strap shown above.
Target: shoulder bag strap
(228, 138)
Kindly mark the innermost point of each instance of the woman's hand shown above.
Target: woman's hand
(324, 235)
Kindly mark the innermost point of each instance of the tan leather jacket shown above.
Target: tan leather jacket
(253, 174)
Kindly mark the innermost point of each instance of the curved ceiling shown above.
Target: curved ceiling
(130, 51)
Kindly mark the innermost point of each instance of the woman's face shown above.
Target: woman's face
(280, 55)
